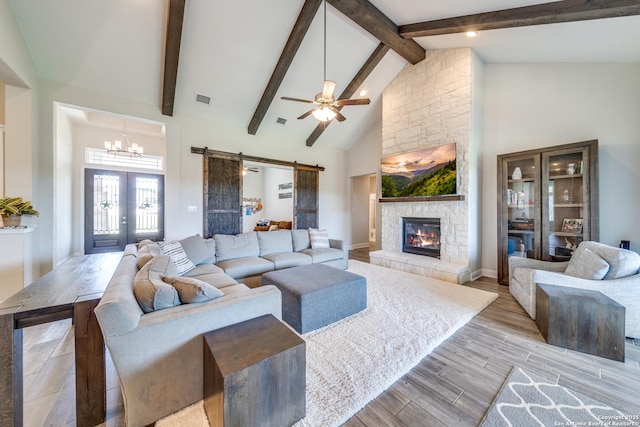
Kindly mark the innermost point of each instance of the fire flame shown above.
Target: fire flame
(424, 239)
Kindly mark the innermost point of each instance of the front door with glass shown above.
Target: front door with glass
(121, 208)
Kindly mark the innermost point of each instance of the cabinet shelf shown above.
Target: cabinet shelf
(554, 177)
(514, 231)
(522, 180)
(568, 205)
(521, 206)
(565, 234)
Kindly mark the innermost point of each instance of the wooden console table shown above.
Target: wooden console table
(71, 290)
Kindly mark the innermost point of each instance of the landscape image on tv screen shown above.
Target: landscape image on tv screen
(428, 172)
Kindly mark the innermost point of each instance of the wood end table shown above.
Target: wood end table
(582, 320)
(254, 374)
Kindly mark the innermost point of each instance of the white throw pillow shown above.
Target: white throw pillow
(319, 239)
(587, 265)
(178, 256)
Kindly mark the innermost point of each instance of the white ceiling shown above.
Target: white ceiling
(229, 50)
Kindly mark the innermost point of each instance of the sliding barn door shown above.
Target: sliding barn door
(305, 202)
(222, 194)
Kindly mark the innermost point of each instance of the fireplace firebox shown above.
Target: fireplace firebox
(421, 236)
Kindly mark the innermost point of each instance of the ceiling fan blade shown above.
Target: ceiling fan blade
(339, 116)
(286, 98)
(307, 114)
(358, 101)
(328, 88)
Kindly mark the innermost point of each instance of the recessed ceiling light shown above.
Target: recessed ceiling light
(363, 92)
(472, 33)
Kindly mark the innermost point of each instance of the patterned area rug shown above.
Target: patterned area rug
(527, 399)
(352, 361)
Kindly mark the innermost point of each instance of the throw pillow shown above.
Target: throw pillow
(146, 251)
(319, 239)
(587, 265)
(150, 291)
(193, 290)
(177, 254)
(196, 249)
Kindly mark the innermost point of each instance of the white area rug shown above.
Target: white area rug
(352, 361)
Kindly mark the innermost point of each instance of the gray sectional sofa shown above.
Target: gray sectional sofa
(154, 337)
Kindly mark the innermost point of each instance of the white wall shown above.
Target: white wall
(364, 159)
(252, 187)
(275, 208)
(538, 105)
(63, 189)
(360, 211)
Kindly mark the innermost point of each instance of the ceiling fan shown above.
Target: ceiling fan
(326, 106)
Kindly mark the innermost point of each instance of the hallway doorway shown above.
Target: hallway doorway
(364, 212)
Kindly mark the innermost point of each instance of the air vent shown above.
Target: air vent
(281, 120)
(203, 98)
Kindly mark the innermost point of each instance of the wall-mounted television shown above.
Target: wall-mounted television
(425, 172)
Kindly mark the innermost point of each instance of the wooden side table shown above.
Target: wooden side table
(254, 374)
(582, 320)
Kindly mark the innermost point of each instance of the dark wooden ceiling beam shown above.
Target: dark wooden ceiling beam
(371, 63)
(546, 13)
(172, 54)
(380, 26)
(300, 29)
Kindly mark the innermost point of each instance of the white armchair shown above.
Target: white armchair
(595, 266)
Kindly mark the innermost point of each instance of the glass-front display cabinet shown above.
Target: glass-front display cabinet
(548, 203)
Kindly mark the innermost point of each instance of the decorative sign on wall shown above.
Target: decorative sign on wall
(285, 186)
(251, 205)
(288, 195)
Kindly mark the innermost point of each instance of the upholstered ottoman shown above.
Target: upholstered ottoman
(316, 295)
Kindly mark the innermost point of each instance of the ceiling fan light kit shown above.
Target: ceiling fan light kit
(326, 107)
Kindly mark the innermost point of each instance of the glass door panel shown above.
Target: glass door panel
(122, 208)
(520, 230)
(564, 217)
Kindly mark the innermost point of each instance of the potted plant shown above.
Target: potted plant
(12, 209)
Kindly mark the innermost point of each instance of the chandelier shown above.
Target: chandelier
(122, 146)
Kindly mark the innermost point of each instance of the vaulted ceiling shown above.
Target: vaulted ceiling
(230, 50)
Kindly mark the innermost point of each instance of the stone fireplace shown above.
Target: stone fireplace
(432, 103)
(421, 236)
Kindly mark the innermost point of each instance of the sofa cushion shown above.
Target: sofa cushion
(218, 280)
(275, 242)
(203, 269)
(196, 249)
(211, 244)
(300, 240)
(149, 289)
(319, 238)
(237, 289)
(147, 250)
(192, 290)
(587, 265)
(245, 267)
(622, 262)
(289, 259)
(323, 255)
(177, 254)
(237, 246)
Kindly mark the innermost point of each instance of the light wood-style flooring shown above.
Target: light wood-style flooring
(453, 386)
